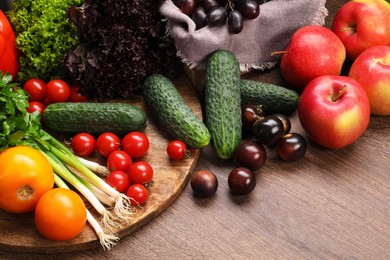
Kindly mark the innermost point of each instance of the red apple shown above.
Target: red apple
(372, 70)
(313, 51)
(361, 24)
(334, 111)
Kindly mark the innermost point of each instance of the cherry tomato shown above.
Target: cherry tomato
(25, 176)
(36, 106)
(57, 90)
(60, 214)
(138, 194)
(75, 95)
(141, 172)
(106, 143)
(119, 161)
(47, 102)
(177, 150)
(83, 144)
(36, 88)
(118, 180)
(136, 144)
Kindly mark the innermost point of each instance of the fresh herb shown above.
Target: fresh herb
(121, 43)
(44, 35)
(18, 127)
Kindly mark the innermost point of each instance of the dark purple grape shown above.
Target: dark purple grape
(200, 17)
(204, 183)
(217, 16)
(291, 147)
(241, 181)
(188, 7)
(286, 123)
(249, 9)
(250, 154)
(235, 22)
(250, 114)
(209, 4)
(268, 130)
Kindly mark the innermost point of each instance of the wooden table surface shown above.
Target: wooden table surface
(329, 205)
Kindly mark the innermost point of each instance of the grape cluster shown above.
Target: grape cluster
(217, 12)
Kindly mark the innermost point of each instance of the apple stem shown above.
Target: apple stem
(348, 29)
(278, 52)
(339, 94)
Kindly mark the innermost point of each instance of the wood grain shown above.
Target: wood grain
(19, 232)
(329, 205)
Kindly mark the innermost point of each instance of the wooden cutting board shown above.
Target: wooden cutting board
(18, 232)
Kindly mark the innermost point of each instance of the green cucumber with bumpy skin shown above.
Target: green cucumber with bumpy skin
(271, 97)
(223, 102)
(94, 118)
(163, 99)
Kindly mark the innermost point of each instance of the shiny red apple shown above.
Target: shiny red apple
(372, 70)
(361, 24)
(312, 51)
(334, 111)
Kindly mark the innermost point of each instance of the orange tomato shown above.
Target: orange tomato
(60, 214)
(25, 175)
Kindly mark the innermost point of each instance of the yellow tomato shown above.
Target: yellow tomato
(60, 214)
(25, 175)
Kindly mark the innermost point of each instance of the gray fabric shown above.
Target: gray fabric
(269, 32)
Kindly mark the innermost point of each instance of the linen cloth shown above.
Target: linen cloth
(269, 32)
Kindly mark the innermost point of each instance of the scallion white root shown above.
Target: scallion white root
(95, 167)
(106, 240)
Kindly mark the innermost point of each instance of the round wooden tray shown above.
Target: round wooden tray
(18, 232)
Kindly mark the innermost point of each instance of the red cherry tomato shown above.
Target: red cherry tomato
(57, 90)
(36, 106)
(176, 150)
(141, 172)
(138, 194)
(75, 95)
(36, 88)
(119, 161)
(83, 144)
(136, 144)
(106, 143)
(118, 180)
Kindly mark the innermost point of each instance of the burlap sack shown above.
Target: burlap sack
(253, 46)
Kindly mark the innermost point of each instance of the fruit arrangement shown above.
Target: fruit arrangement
(244, 120)
(217, 12)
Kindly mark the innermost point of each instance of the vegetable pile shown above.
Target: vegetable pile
(20, 128)
(44, 35)
(121, 43)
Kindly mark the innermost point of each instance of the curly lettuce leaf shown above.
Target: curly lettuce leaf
(44, 35)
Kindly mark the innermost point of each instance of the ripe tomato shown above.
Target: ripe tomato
(118, 180)
(107, 142)
(60, 214)
(177, 150)
(36, 88)
(57, 90)
(141, 172)
(138, 194)
(25, 175)
(36, 106)
(119, 161)
(75, 95)
(136, 144)
(83, 144)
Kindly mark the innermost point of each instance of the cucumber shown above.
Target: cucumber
(165, 102)
(272, 98)
(223, 102)
(94, 118)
